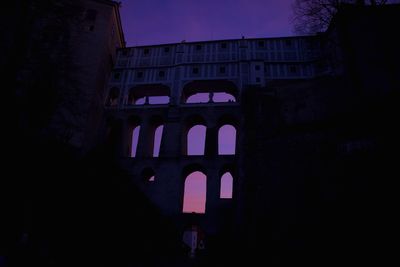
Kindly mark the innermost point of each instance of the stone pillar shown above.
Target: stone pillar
(211, 149)
(145, 139)
(171, 145)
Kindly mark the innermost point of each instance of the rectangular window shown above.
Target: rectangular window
(222, 70)
(161, 73)
(195, 70)
(166, 49)
(261, 43)
(198, 47)
(223, 45)
(292, 69)
(139, 74)
(146, 51)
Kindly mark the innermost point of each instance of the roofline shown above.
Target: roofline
(225, 40)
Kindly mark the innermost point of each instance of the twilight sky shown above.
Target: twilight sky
(147, 22)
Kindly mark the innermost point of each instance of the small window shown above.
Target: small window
(257, 67)
(288, 42)
(91, 14)
(146, 51)
(195, 70)
(161, 73)
(125, 52)
(258, 79)
(198, 47)
(139, 74)
(117, 75)
(261, 43)
(223, 45)
(166, 49)
(292, 69)
(222, 69)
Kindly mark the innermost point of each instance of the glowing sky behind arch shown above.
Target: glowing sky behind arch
(171, 21)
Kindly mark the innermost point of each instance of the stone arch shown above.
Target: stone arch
(134, 131)
(156, 131)
(227, 183)
(113, 97)
(194, 196)
(149, 94)
(227, 135)
(210, 87)
(194, 135)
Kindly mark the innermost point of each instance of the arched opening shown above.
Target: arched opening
(227, 140)
(196, 140)
(149, 94)
(134, 141)
(157, 140)
(226, 186)
(140, 101)
(198, 98)
(195, 193)
(223, 97)
(209, 91)
(113, 97)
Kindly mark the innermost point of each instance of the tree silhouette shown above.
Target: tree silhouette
(312, 16)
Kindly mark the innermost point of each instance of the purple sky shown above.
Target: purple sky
(147, 22)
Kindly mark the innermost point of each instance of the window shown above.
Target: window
(157, 140)
(146, 51)
(195, 193)
(198, 47)
(292, 69)
(288, 43)
(226, 186)
(257, 67)
(261, 43)
(139, 74)
(223, 45)
(161, 73)
(134, 141)
(227, 140)
(196, 140)
(166, 49)
(91, 14)
(222, 70)
(125, 52)
(195, 70)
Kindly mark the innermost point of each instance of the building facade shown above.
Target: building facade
(159, 94)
